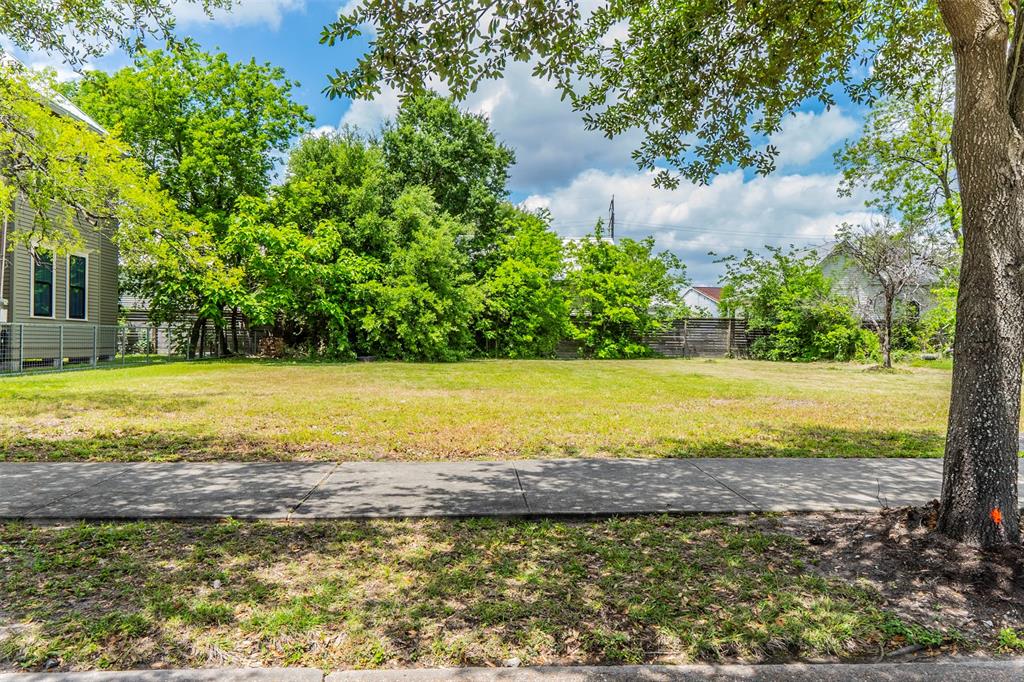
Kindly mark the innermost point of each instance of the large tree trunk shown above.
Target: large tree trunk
(979, 490)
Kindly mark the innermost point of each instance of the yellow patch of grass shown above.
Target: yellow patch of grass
(252, 410)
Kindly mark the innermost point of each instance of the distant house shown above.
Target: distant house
(705, 299)
(851, 281)
(41, 287)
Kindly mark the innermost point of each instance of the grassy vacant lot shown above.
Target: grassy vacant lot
(433, 593)
(248, 410)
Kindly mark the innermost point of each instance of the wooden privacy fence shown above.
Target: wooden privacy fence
(696, 337)
(704, 337)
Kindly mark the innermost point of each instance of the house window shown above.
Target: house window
(42, 283)
(77, 282)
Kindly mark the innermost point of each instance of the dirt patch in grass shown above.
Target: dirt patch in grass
(924, 577)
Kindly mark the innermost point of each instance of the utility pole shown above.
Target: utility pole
(611, 218)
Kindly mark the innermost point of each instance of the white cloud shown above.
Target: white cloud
(807, 135)
(320, 131)
(726, 216)
(242, 13)
(369, 114)
(552, 145)
(548, 137)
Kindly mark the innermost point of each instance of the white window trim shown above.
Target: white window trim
(67, 288)
(53, 286)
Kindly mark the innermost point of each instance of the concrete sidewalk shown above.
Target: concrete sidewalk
(565, 487)
(971, 670)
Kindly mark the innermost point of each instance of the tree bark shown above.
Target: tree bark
(222, 342)
(979, 491)
(193, 339)
(887, 335)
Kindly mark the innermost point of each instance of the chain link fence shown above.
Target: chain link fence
(26, 348)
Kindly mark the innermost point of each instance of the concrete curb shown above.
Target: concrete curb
(974, 670)
(187, 675)
(980, 671)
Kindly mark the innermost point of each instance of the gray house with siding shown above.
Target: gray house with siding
(851, 281)
(43, 287)
(60, 307)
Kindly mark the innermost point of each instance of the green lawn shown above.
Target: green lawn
(430, 593)
(251, 410)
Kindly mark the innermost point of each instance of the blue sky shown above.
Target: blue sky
(561, 166)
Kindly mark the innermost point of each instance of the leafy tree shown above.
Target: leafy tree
(423, 306)
(786, 294)
(340, 177)
(905, 157)
(79, 29)
(209, 129)
(524, 312)
(338, 264)
(898, 260)
(620, 293)
(70, 175)
(707, 82)
(938, 325)
(302, 280)
(454, 153)
(63, 169)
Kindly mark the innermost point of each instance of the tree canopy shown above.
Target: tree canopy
(904, 156)
(208, 127)
(80, 29)
(705, 81)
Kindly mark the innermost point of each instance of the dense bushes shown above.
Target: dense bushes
(620, 293)
(787, 294)
(524, 307)
(407, 247)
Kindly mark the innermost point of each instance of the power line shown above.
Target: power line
(661, 227)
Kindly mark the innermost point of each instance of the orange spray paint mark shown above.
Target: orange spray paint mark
(997, 516)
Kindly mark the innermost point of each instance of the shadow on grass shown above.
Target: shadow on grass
(170, 445)
(420, 593)
(133, 445)
(818, 441)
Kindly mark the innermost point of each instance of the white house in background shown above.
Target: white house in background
(851, 281)
(703, 298)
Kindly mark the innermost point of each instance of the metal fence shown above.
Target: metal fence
(29, 347)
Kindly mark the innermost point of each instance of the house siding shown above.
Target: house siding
(101, 292)
(849, 280)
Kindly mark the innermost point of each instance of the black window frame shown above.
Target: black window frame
(81, 297)
(40, 258)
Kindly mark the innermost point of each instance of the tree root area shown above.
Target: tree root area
(924, 577)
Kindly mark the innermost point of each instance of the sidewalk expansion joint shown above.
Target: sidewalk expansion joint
(726, 486)
(71, 494)
(312, 490)
(522, 490)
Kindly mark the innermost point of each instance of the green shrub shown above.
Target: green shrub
(620, 293)
(787, 294)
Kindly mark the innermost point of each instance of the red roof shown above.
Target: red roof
(714, 293)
